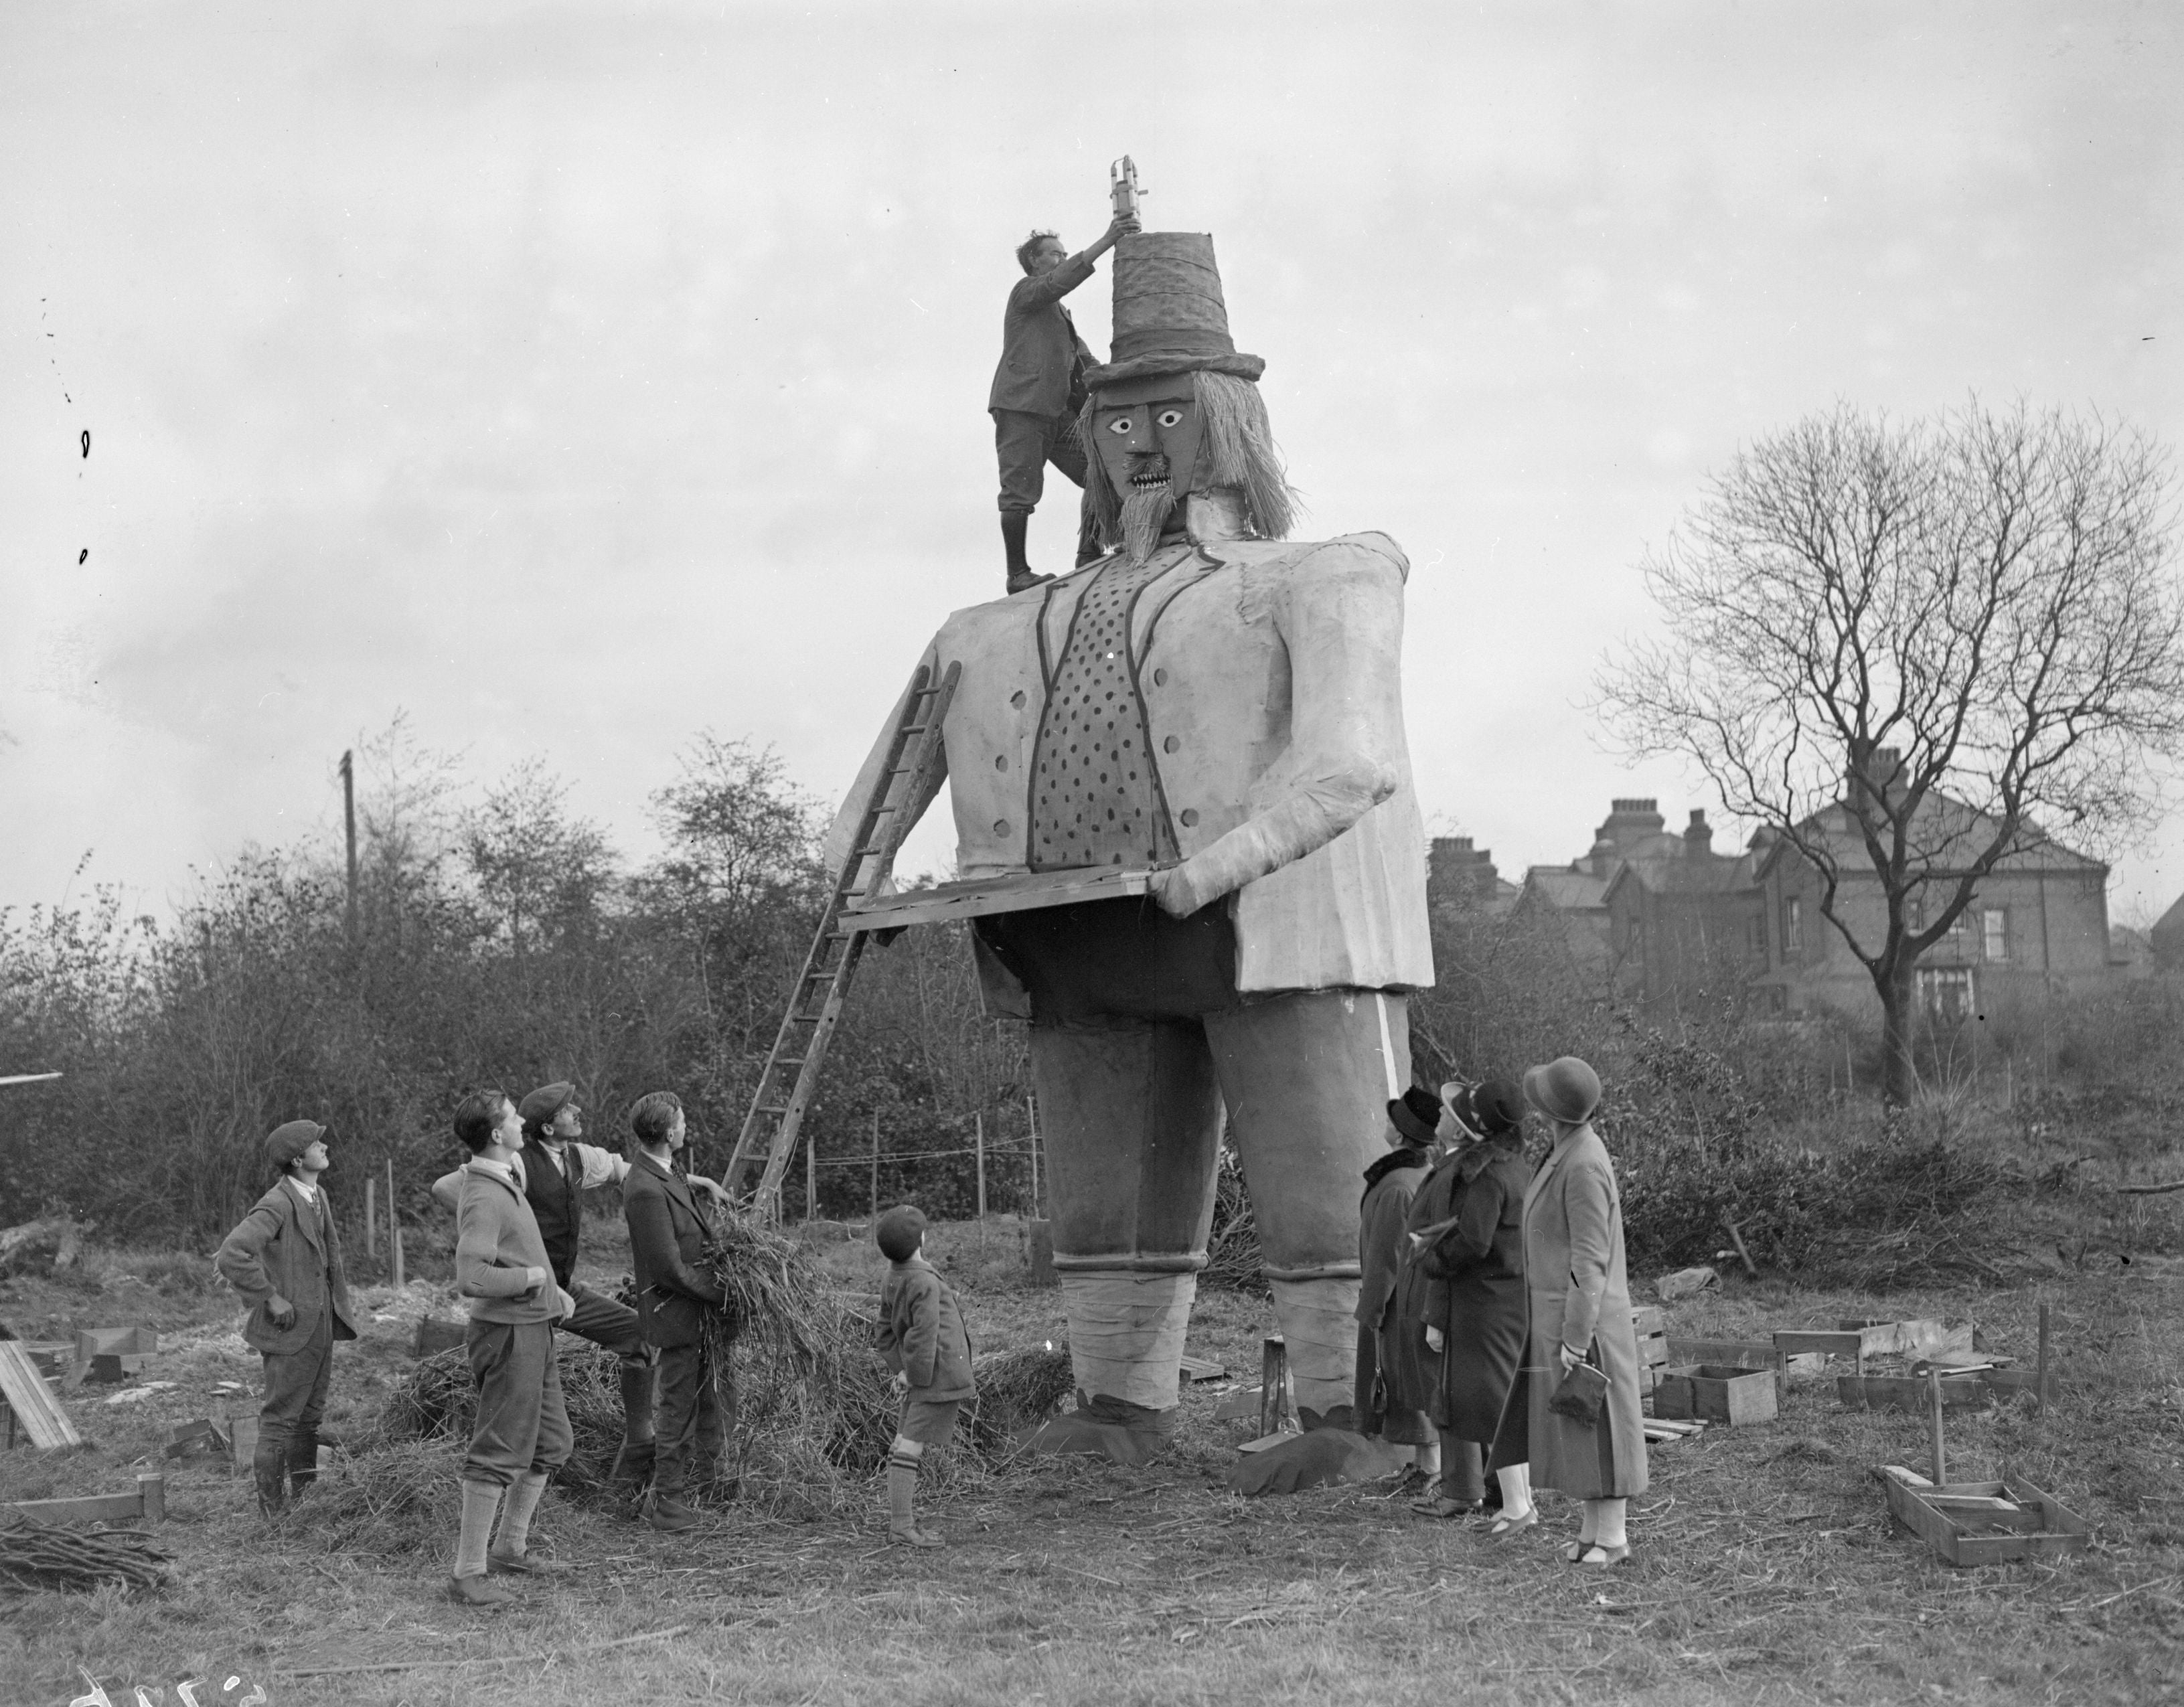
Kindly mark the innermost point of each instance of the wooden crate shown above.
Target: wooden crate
(1910, 1392)
(1653, 1331)
(1716, 1393)
(1740, 1353)
(110, 1355)
(1861, 1340)
(1971, 1523)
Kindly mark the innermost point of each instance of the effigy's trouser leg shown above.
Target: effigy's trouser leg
(1132, 1127)
(1308, 1077)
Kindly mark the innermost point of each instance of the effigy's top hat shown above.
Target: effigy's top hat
(1169, 315)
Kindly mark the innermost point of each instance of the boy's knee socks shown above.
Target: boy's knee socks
(523, 1498)
(903, 1458)
(481, 1499)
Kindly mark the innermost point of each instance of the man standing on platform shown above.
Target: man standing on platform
(1038, 387)
(284, 1260)
(554, 1171)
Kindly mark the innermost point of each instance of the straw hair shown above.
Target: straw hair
(1239, 452)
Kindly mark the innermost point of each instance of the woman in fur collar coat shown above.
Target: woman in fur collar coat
(1466, 1287)
(1395, 1377)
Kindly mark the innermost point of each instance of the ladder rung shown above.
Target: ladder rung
(776, 1109)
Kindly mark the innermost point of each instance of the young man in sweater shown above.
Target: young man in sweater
(286, 1260)
(522, 1429)
(922, 1338)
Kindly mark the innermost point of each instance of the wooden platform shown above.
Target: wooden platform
(1971, 1523)
(1016, 891)
(147, 1504)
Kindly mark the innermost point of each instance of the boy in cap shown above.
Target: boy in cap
(554, 1172)
(922, 1338)
(521, 1435)
(285, 1258)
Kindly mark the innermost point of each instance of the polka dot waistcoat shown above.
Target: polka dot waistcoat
(1095, 801)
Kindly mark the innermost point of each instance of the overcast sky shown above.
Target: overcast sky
(575, 378)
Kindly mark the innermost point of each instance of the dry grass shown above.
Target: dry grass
(1763, 1571)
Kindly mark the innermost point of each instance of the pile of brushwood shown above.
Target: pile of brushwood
(807, 1399)
(46, 1555)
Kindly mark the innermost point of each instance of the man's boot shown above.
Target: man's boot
(634, 1462)
(303, 1460)
(268, 1469)
(1015, 524)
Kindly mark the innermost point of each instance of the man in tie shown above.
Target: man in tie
(285, 1258)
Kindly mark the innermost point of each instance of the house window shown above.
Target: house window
(1945, 993)
(1793, 926)
(1759, 936)
(1994, 933)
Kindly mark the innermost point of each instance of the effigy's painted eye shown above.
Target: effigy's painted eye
(1169, 418)
(1119, 425)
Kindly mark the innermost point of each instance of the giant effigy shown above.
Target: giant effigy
(1191, 857)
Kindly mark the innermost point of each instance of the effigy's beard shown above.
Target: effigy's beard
(1145, 512)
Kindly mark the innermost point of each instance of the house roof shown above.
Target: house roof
(2170, 923)
(1686, 871)
(1564, 889)
(1947, 826)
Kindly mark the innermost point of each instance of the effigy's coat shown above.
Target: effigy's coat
(1269, 673)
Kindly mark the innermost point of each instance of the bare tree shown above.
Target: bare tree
(1973, 619)
(531, 862)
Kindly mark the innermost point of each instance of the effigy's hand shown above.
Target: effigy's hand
(1174, 892)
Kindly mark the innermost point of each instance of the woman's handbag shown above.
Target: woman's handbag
(1582, 1393)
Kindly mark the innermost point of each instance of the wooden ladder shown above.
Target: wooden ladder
(786, 1088)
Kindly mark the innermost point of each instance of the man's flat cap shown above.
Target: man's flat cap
(286, 1142)
(546, 1102)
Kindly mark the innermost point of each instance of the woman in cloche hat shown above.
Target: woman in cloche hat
(1578, 1304)
(1466, 1285)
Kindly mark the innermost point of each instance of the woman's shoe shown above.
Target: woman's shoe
(1506, 1524)
(1571, 1551)
(1599, 1558)
(1440, 1506)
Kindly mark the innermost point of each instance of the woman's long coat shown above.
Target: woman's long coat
(1391, 1352)
(1577, 1293)
(1469, 1282)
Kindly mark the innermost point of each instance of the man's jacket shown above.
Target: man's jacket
(1040, 345)
(666, 1241)
(1270, 674)
(286, 1248)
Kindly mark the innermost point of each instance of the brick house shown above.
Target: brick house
(1686, 930)
(2037, 925)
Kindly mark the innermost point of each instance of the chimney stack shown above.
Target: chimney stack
(1698, 835)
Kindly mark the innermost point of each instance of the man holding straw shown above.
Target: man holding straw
(668, 1239)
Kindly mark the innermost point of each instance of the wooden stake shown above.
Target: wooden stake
(1934, 1413)
(876, 1164)
(370, 1220)
(2039, 1379)
(1743, 1255)
(810, 1180)
(348, 822)
(979, 1140)
(1031, 1130)
(393, 1229)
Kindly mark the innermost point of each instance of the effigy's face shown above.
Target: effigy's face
(1148, 432)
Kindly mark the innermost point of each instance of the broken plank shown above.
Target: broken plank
(31, 1402)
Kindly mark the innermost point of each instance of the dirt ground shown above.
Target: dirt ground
(1764, 1567)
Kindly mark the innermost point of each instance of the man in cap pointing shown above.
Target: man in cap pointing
(554, 1171)
(285, 1258)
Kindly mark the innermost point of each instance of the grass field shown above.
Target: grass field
(1763, 1568)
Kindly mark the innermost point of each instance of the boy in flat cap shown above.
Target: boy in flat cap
(554, 1171)
(922, 1335)
(285, 1258)
(521, 1435)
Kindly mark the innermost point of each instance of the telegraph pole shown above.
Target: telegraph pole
(348, 823)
